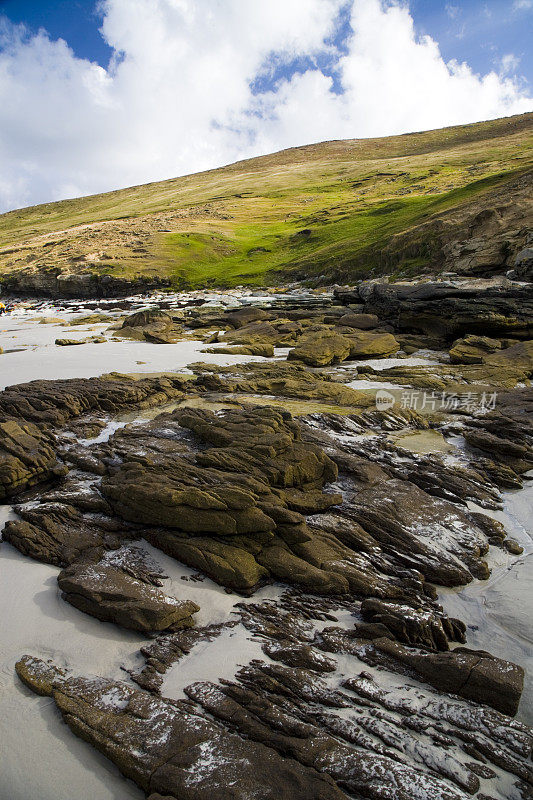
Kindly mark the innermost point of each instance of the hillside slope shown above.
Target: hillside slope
(452, 199)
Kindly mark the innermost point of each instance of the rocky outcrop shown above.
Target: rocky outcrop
(27, 457)
(282, 379)
(56, 402)
(369, 737)
(354, 689)
(151, 325)
(56, 283)
(449, 310)
(108, 593)
(362, 322)
(167, 748)
(321, 348)
(244, 316)
(472, 674)
(473, 349)
(264, 350)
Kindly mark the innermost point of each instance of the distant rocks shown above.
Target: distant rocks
(322, 347)
(445, 309)
(152, 325)
(90, 340)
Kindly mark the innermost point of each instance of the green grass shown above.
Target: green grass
(322, 210)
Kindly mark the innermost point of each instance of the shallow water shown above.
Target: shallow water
(426, 441)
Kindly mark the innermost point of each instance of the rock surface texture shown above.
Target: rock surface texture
(278, 545)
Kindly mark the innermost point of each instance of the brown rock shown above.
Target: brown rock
(108, 593)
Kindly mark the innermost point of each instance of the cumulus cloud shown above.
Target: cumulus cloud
(180, 93)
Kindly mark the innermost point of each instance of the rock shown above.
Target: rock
(518, 356)
(523, 266)
(283, 379)
(168, 648)
(425, 533)
(167, 749)
(56, 402)
(258, 333)
(473, 349)
(69, 342)
(27, 457)
(57, 282)
(55, 533)
(472, 674)
(372, 345)
(299, 656)
(361, 321)
(513, 547)
(322, 739)
(265, 350)
(418, 627)
(52, 321)
(108, 593)
(320, 349)
(517, 456)
(38, 675)
(230, 563)
(445, 309)
(91, 319)
(152, 325)
(244, 316)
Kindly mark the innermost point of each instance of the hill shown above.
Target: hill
(451, 199)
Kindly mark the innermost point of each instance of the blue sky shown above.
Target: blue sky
(480, 32)
(94, 98)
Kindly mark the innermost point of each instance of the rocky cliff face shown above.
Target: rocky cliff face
(64, 284)
(482, 238)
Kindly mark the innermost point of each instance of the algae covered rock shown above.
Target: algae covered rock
(363, 322)
(167, 748)
(69, 342)
(27, 457)
(152, 325)
(321, 348)
(372, 345)
(108, 593)
(473, 349)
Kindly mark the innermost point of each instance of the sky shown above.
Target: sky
(101, 95)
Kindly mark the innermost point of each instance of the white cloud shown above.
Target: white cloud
(509, 63)
(452, 11)
(521, 5)
(177, 96)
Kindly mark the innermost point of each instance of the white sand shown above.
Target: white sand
(41, 358)
(41, 759)
(498, 611)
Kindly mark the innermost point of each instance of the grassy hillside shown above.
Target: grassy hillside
(327, 209)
